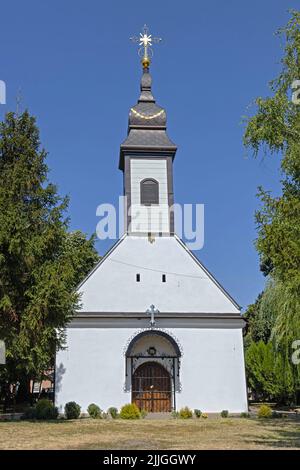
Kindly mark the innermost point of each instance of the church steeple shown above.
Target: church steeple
(146, 157)
(146, 83)
(147, 124)
(147, 121)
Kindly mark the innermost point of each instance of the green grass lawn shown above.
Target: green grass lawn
(213, 433)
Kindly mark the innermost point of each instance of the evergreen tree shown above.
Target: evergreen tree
(40, 262)
(260, 316)
(268, 374)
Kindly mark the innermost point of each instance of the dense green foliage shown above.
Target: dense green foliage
(260, 316)
(72, 410)
(42, 410)
(113, 412)
(197, 413)
(130, 411)
(275, 317)
(40, 261)
(29, 413)
(245, 415)
(269, 374)
(94, 411)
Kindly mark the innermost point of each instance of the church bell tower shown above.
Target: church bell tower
(150, 301)
(146, 159)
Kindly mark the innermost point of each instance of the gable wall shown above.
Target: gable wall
(112, 287)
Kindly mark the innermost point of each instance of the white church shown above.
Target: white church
(155, 327)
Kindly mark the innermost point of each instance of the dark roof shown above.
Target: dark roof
(147, 125)
(156, 138)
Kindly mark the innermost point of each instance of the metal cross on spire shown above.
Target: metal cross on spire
(145, 40)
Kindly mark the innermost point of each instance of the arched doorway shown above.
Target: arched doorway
(151, 388)
(152, 370)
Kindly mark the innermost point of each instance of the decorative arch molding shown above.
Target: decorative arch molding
(170, 362)
(157, 331)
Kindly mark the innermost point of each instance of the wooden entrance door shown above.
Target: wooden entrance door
(151, 388)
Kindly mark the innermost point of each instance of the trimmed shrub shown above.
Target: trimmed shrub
(29, 413)
(130, 411)
(94, 411)
(198, 413)
(245, 415)
(224, 414)
(44, 409)
(72, 410)
(277, 415)
(264, 411)
(204, 416)
(185, 413)
(113, 412)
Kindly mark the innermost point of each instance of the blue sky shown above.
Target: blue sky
(79, 75)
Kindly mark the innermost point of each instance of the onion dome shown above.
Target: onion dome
(147, 125)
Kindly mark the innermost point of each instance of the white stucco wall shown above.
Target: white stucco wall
(188, 287)
(212, 375)
(149, 218)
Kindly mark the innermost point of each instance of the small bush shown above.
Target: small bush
(245, 415)
(175, 414)
(44, 409)
(130, 411)
(264, 411)
(29, 413)
(197, 413)
(277, 415)
(185, 413)
(224, 414)
(94, 411)
(204, 416)
(143, 413)
(72, 410)
(113, 412)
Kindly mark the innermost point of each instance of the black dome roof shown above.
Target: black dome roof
(147, 124)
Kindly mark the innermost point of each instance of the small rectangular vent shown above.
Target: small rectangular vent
(138, 278)
(163, 278)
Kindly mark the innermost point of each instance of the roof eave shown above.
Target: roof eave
(126, 149)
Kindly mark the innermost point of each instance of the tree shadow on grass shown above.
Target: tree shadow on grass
(281, 433)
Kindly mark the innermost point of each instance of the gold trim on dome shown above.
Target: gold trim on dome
(143, 116)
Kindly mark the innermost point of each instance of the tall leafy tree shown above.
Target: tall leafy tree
(40, 262)
(275, 130)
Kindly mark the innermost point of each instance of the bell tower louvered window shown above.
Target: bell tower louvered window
(149, 192)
